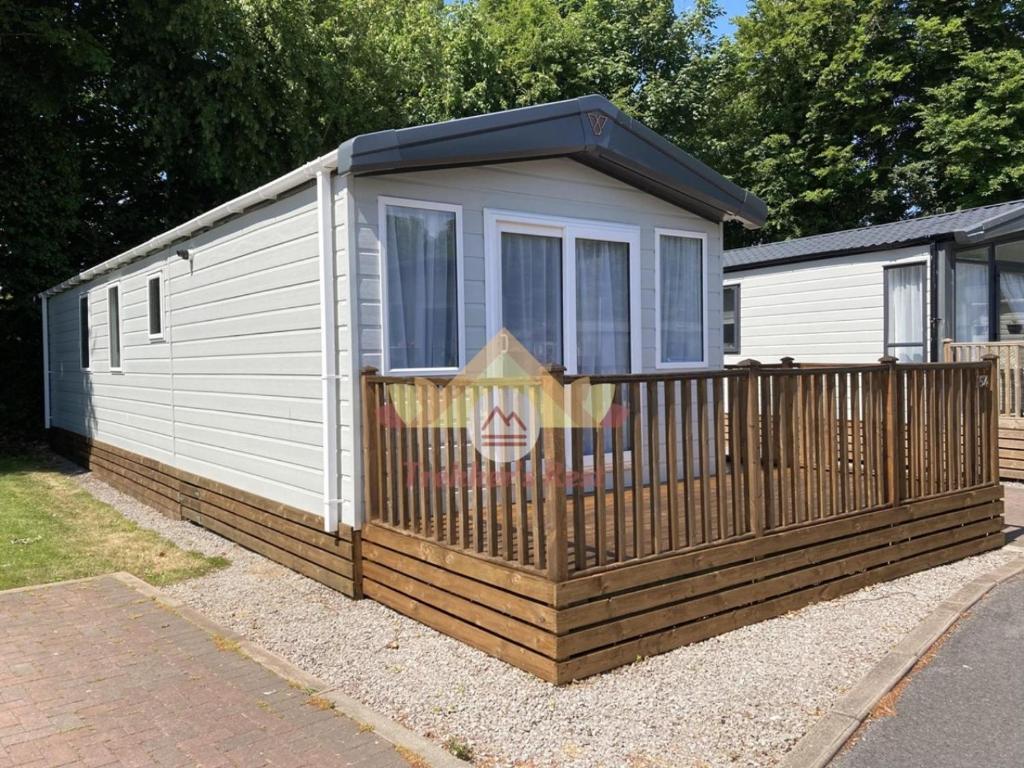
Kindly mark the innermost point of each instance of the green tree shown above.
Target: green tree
(831, 109)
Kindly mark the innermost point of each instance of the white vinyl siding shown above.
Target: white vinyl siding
(559, 189)
(829, 310)
(233, 393)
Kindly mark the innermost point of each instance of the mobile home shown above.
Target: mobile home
(258, 371)
(933, 288)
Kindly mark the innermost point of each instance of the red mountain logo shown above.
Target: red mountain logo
(501, 430)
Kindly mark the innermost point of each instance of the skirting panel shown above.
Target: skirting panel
(280, 533)
(1011, 449)
(593, 623)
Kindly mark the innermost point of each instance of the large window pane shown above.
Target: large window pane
(904, 307)
(1010, 264)
(971, 286)
(531, 293)
(602, 306)
(422, 288)
(681, 312)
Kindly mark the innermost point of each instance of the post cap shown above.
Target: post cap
(990, 356)
(888, 360)
(788, 361)
(748, 363)
(369, 370)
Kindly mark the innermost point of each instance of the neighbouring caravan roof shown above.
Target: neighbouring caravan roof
(964, 226)
(589, 129)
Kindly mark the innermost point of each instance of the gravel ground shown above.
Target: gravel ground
(740, 699)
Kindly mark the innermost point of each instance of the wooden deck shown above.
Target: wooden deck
(819, 482)
(597, 621)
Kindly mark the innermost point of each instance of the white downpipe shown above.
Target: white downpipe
(355, 355)
(328, 347)
(46, 362)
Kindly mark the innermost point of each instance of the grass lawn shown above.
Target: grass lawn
(52, 530)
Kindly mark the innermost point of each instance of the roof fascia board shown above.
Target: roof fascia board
(589, 129)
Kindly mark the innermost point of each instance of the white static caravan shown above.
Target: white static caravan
(213, 370)
(892, 289)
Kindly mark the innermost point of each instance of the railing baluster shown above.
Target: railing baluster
(637, 455)
(719, 439)
(654, 471)
(671, 464)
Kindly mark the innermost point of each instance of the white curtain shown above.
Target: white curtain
(531, 293)
(971, 301)
(906, 312)
(906, 305)
(422, 288)
(682, 300)
(602, 306)
(1011, 291)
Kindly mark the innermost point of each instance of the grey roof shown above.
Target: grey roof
(964, 226)
(589, 129)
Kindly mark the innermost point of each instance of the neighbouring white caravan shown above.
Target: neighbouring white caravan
(891, 289)
(230, 347)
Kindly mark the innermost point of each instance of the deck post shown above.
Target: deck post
(751, 456)
(788, 362)
(947, 350)
(895, 434)
(993, 415)
(554, 482)
(371, 497)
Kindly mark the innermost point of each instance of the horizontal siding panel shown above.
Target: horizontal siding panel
(249, 445)
(295, 273)
(284, 406)
(249, 472)
(304, 364)
(286, 429)
(299, 318)
(281, 386)
(249, 304)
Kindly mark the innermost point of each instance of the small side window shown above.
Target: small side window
(731, 319)
(83, 330)
(156, 318)
(114, 326)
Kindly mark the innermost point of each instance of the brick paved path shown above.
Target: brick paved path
(96, 674)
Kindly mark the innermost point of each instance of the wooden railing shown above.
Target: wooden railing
(682, 461)
(1010, 359)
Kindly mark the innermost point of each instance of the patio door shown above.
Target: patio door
(568, 290)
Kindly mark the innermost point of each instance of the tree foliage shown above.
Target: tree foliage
(122, 118)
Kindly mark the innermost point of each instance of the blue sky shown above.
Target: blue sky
(731, 8)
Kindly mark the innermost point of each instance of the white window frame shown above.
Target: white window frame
(84, 296)
(460, 273)
(158, 275)
(110, 287)
(703, 237)
(569, 230)
(737, 318)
